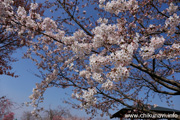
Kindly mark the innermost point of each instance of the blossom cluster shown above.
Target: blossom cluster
(89, 98)
(122, 57)
(85, 74)
(117, 6)
(104, 34)
(97, 61)
(9, 116)
(5, 9)
(34, 6)
(35, 94)
(147, 51)
(48, 24)
(108, 85)
(81, 49)
(118, 74)
(169, 52)
(27, 21)
(172, 8)
(172, 22)
(97, 77)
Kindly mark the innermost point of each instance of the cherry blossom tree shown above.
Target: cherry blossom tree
(9, 40)
(110, 52)
(27, 116)
(59, 113)
(5, 109)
